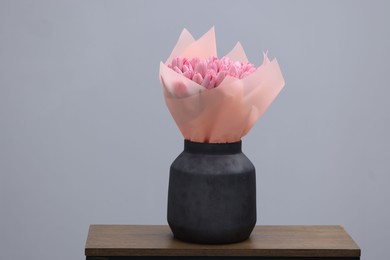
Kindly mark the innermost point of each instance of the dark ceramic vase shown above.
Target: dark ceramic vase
(212, 194)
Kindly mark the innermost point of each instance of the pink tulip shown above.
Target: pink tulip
(211, 72)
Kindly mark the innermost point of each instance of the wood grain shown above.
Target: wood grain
(269, 241)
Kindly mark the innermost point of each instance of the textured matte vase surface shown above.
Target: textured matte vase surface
(212, 194)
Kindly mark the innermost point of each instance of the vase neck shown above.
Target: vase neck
(212, 148)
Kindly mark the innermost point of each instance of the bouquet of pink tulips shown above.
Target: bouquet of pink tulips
(216, 100)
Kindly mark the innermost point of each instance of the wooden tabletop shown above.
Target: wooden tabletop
(281, 241)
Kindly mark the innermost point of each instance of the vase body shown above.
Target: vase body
(212, 194)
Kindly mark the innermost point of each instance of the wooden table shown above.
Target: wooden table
(120, 242)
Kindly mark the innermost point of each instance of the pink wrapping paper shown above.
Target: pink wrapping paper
(223, 114)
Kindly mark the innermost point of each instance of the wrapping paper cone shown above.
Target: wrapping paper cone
(223, 114)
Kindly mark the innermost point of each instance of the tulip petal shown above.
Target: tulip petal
(198, 78)
(206, 82)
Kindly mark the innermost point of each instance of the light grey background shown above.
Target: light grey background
(85, 136)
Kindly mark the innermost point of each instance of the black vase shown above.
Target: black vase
(212, 194)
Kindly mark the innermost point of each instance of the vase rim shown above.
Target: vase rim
(212, 148)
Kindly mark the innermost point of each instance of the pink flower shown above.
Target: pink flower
(211, 72)
(216, 100)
